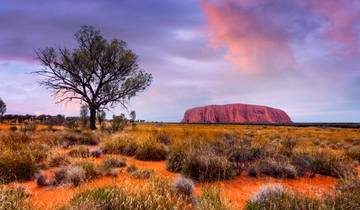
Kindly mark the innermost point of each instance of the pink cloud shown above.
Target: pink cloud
(259, 35)
(250, 41)
(341, 17)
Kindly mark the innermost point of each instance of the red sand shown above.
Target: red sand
(238, 190)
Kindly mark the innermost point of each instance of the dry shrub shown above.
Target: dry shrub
(80, 152)
(83, 138)
(91, 171)
(112, 162)
(75, 175)
(275, 169)
(211, 199)
(150, 149)
(274, 197)
(156, 194)
(184, 187)
(58, 159)
(142, 173)
(17, 165)
(346, 195)
(41, 179)
(326, 162)
(206, 166)
(14, 199)
(122, 145)
(354, 153)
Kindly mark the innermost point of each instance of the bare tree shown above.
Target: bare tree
(100, 73)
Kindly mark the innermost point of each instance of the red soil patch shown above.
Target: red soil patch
(237, 191)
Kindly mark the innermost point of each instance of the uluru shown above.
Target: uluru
(235, 113)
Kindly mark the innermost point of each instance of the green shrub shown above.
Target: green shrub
(151, 150)
(122, 145)
(80, 152)
(275, 169)
(13, 199)
(211, 199)
(274, 197)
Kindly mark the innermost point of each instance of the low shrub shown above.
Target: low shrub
(122, 145)
(208, 167)
(274, 197)
(59, 176)
(275, 169)
(152, 195)
(176, 159)
(112, 162)
(211, 199)
(13, 199)
(151, 150)
(17, 165)
(302, 166)
(184, 187)
(57, 160)
(142, 173)
(327, 163)
(41, 179)
(91, 171)
(80, 152)
(163, 138)
(75, 175)
(131, 168)
(346, 195)
(88, 138)
(83, 138)
(353, 153)
(243, 155)
(96, 153)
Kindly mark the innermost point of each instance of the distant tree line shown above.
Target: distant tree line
(41, 119)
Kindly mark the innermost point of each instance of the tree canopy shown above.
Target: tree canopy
(98, 72)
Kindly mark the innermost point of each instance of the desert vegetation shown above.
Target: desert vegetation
(162, 165)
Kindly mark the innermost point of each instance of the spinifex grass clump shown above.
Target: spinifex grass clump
(17, 165)
(211, 199)
(13, 199)
(79, 152)
(83, 138)
(275, 169)
(346, 195)
(327, 162)
(274, 197)
(150, 149)
(122, 145)
(155, 194)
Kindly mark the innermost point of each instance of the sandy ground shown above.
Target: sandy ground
(237, 191)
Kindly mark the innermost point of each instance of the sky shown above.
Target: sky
(302, 56)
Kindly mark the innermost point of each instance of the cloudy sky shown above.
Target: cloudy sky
(302, 56)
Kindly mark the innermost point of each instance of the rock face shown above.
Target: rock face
(235, 113)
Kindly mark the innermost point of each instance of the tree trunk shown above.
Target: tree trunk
(92, 118)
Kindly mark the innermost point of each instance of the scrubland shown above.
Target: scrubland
(170, 166)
